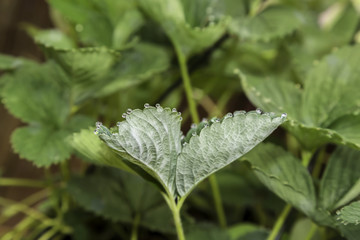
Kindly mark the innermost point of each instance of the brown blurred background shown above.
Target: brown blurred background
(14, 41)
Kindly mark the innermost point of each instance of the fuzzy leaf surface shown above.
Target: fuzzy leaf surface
(149, 138)
(350, 213)
(221, 144)
(284, 175)
(340, 178)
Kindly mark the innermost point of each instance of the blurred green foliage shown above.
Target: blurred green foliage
(103, 57)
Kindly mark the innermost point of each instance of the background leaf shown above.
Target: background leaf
(273, 22)
(120, 196)
(283, 174)
(340, 177)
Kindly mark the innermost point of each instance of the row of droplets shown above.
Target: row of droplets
(146, 105)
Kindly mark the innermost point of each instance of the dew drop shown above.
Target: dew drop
(146, 105)
(182, 137)
(118, 124)
(129, 111)
(236, 113)
(206, 125)
(96, 131)
(124, 115)
(229, 115)
(284, 115)
(204, 120)
(98, 124)
(258, 111)
(173, 110)
(193, 134)
(179, 113)
(193, 125)
(181, 118)
(157, 105)
(217, 120)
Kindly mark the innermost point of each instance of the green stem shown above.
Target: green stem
(312, 231)
(175, 209)
(279, 222)
(305, 158)
(195, 118)
(187, 84)
(135, 225)
(20, 182)
(218, 202)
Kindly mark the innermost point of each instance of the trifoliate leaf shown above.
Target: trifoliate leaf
(341, 177)
(273, 22)
(283, 174)
(149, 138)
(122, 196)
(350, 214)
(221, 144)
(171, 16)
(45, 145)
(325, 110)
(37, 94)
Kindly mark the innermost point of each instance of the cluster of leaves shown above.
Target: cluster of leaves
(105, 56)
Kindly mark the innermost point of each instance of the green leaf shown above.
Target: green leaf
(301, 228)
(350, 214)
(273, 22)
(45, 145)
(325, 110)
(331, 87)
(51, 37)
(206, 231)
(350, 231)
(90, 147)
(85, 68)
(120, 196)
(221, 144)
(101, 23)
(171, 16)
(41, 145)
(37, 94)
(135, 66)
(340, 177)
(283, 174)
(8, 63)
(149, 138)
(244, 231)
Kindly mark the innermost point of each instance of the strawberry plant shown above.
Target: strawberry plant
(290, 64)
